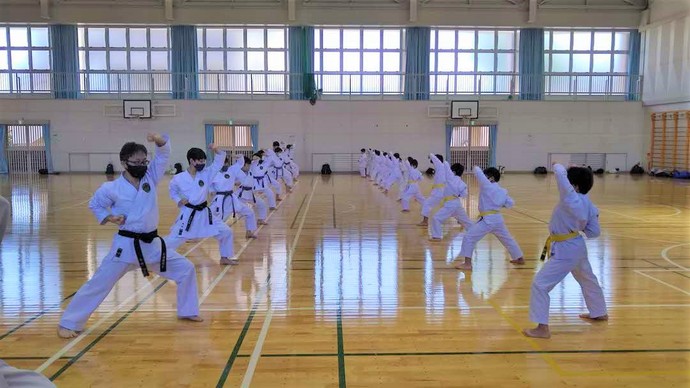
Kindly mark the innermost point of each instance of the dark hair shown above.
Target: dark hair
(414, 163)
(227, 159)
(377, 152)
(259, 154)
(492, 172)
(247, 160)
(363, 150)
(195, 154)
(457, 168)
(396, 155)
(278, 149)
(276, 144)
(582, 178)
(289, 146)
(440, 157)
(130, 149)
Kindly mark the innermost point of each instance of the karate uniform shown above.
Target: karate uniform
(291, 164)
(226, 203)
(453, 190)
(363, 164)
(492, 198)
(246, 194)
(140, 207)
(272, 162)
(282, 170)
(573, 213)
(261, 175)
(412, 189)
(436, 195)
(198, 223)
(394, 172)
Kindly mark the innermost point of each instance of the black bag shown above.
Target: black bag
(109, 169)
(637, 170)
(43, 171)
(599, 171)
(541, 170)
(326, 169)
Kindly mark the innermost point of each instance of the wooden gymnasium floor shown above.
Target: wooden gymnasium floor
(341, 289)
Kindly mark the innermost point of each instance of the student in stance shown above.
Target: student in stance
(363, 160)
(453, 190)
(130, 202)
(261, 175)
(190, 191)
(412, 189)
(247, 195)
(492, 198)
(567, 251)
(436, 195)
(226, 202)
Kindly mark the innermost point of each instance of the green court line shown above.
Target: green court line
(238, 344)
(299, 209)
(341, 352)
(35, 317)
(105, 333)
(478, 353)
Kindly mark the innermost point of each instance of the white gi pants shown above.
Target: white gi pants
(449, 209)
(495, 225)
(234, 208)
(410, 192)
(432, 200)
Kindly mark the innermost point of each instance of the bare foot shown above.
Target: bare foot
(262, 222)
(399, 199)
(271, 208)
(278, 199)
(518, 261)
(66, 333)
(195, 318)
(251, 235)
(405, 211)
(435, 239)
(226, 261)
(464, 266)
(423, 223)
(541, 331)
(590, 318)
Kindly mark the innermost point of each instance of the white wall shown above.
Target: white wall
(666, 56)
(528, 131)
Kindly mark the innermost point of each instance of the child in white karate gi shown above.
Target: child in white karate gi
(226, 203)
(453, 190)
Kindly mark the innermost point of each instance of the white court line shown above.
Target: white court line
(624, 215)
(663, 270)
(350, 210)
(256, 354)
(664, 255)
(640, 238)
(101, 321)
(663, 282)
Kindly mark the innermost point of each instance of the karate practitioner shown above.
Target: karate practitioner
(436, 195)
(412, 190)
(130, 202)
(566, 248)
(492, 198)
(291, 164)
(226, 202)
(363, 163)
(247, 195)
(190, 191)
(261, 175)
(451, 206)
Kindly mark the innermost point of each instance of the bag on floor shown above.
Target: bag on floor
(637, 169)
(541, 170)
(326, 169)
(109, 169)
(599, 171)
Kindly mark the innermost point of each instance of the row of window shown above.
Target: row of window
(346, 60)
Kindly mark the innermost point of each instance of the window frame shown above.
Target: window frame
(13, 80)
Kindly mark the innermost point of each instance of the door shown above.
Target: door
(26, 151)
(470, 146)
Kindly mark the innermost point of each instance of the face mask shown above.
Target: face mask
(137, 172)
(224, 169)
(199, 167)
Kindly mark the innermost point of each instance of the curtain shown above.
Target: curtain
(185, 66)
(65, 61)
(417, 63)
(531, 64)
(46, 141)
(493, 140)
(449, 134)
(301, 60)
(254, 134)
(4, 167)
(634, 92)
(209, 139)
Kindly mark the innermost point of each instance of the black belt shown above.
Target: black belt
(282, 174)
(225, 195)
(196, 208)
(260, 179)
(148, 239)
(247, 188)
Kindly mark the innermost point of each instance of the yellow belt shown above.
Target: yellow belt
(448, 198)
(488, 212)
(411, 182)
(555, 238)
(438, 186)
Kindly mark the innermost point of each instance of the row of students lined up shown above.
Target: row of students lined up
(565, 246)
(243, 189)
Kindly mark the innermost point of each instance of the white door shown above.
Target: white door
(26, 151)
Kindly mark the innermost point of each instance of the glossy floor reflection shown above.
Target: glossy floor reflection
(341, 289)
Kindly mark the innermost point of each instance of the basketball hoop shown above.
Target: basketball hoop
(466, 119)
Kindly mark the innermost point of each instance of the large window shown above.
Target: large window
(124, 59)
(359, 60)
(473, 61)
(586, 61)
(235, 139)
(242, 60)
(24, 59)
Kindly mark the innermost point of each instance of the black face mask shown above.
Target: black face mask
(137, 172)
(199, 167)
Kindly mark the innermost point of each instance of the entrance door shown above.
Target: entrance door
(26, 150)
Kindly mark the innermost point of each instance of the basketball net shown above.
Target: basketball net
(466, 120)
